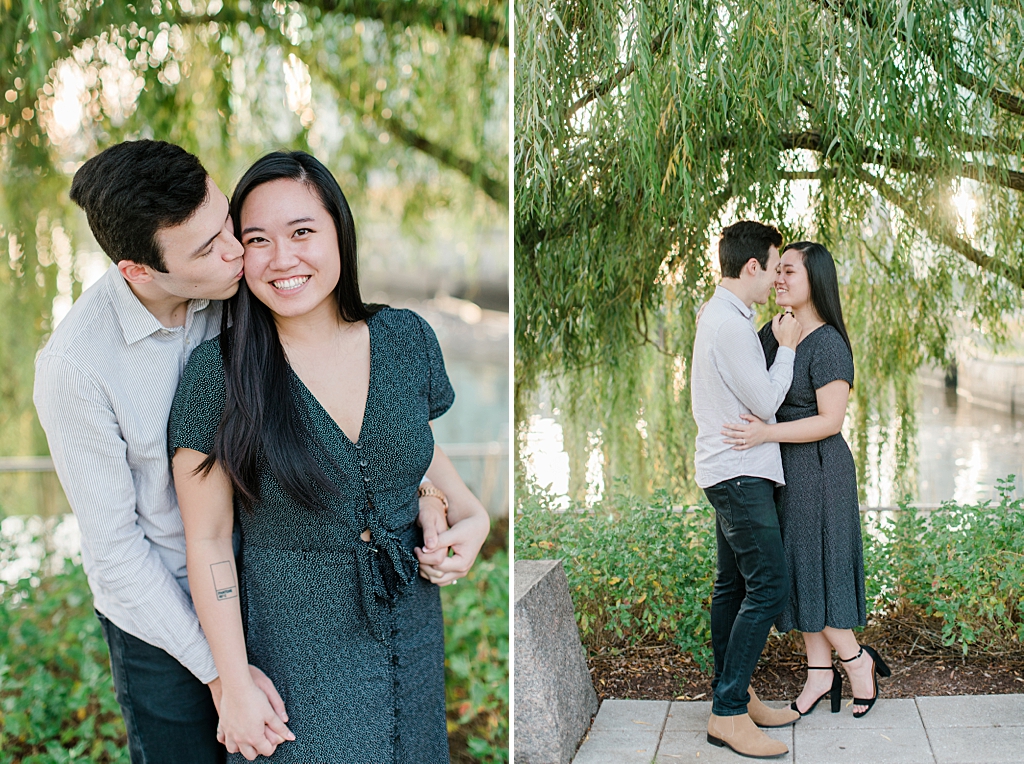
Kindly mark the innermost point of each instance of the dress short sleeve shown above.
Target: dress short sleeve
(832, 359)
(440, 395)
(199, 402)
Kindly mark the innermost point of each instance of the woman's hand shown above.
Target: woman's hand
(434, 522)
(744, 436)
(249, 724)
(464, 539)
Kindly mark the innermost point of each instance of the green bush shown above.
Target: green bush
(57, 702)
(641, 571)
(637, 570)
(962, 564)
(476, 659)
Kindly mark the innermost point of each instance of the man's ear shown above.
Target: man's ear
(134, 273)
(752, 266)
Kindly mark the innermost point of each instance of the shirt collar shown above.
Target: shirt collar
(136, 321)
(724, 294)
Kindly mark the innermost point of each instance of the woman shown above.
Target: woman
(310, 415)
(819, 513)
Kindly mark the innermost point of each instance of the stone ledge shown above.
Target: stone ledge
(554, 696)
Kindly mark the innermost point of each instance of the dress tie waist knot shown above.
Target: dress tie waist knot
(385, 566)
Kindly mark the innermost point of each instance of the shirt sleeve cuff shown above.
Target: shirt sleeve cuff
(199, 661)
(785, 354)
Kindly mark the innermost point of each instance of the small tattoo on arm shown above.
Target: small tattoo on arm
(224, 580)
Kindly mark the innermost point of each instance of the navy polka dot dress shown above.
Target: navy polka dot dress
(819, 513)
(347, 630)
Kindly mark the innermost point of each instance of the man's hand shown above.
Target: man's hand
(465, 539)
(262, 681)
(744, 436)
(787, 330)
(249, 724)
(433, 521)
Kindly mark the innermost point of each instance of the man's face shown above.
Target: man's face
(202, 256)
(763, 279)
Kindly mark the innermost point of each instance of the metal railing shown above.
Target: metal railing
(484, 467)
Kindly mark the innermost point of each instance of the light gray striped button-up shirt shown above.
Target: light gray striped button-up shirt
(104, 386)
(729, 378)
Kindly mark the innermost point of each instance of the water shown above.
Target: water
(963, 450)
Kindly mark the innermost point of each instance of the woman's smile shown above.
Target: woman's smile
(289, 284)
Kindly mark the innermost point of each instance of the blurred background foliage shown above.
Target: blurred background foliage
(891, 132)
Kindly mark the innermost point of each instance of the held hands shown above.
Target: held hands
(464, 539)
(744, 436)
(252, 718)
(787, 330)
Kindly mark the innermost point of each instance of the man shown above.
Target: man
(730, 379)
(104, 386)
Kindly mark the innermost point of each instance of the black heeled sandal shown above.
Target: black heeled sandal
(878, 669)
(835, 693)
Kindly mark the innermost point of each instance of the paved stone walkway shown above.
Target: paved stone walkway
(969, 729)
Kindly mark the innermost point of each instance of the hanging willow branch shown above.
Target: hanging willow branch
(853, 106)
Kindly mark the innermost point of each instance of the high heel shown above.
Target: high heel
(878, 669)
(835, 693)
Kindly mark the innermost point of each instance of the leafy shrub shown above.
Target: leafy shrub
(641, 571)
(637, 570)
(57, 703)
(962, 564)
(476, 659)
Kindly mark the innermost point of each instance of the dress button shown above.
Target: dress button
(366, 479)
(359, 446)
(362, 463)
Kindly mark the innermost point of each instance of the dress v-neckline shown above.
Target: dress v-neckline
(366, 404)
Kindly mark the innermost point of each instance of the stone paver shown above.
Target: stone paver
(973, 711)
(980, 729)
(628, 714)
(887, 713)
(978, 745)
(618, 747)
(850, 746)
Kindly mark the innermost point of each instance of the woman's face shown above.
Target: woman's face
(792, 287)
(292, 262)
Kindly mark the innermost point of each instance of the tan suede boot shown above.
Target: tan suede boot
(741, 735)
(766, 716)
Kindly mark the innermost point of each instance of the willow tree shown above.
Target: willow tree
(641, 128)
(411, 91)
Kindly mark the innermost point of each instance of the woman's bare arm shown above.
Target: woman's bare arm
(206, 511)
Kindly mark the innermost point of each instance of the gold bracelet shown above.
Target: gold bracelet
(432, 490)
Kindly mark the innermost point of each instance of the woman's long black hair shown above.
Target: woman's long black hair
(824, 284)
(261, 420)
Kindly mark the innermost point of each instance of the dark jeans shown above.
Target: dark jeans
(169, 713)
(751, 587)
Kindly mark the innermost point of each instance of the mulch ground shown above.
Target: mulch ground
(912, 647)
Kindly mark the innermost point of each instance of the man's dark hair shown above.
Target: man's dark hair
(742, 241)
(132, 190)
